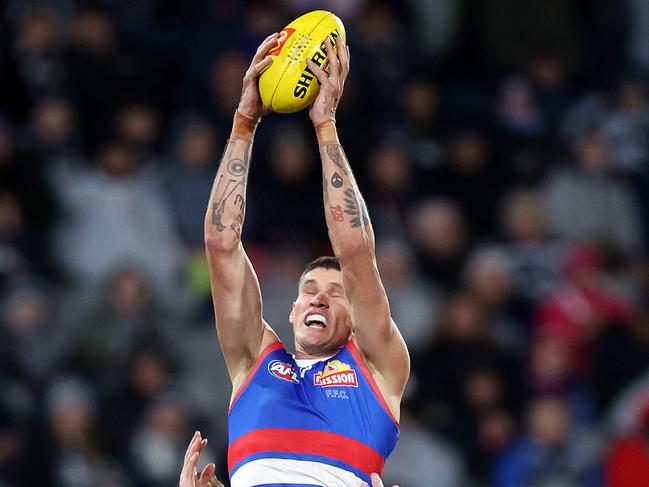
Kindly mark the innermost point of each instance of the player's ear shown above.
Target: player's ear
(291, 316)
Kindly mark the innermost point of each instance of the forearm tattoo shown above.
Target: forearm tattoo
(229, 188)
(325, 189)
(354, 206)
(337, 156)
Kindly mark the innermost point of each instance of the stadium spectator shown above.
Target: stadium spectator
(488, 276)
(123, 318)
(627, 463)
(52, 131)
(188, 179)
(421, 454)
(137, 126)
(289, 183)
(391, 189)
(413, 301)
(551, 373)
(480, 376)
(581, 306)
(548, 453)
(38, 52)
(585, 203)
(28, 211)
(419, 130)
(32, 335)
(468, 179)
(628, 348)
(159, 441)
(518, 115)
(114, 212)
(626, 126)
(74, 441)
(441, 241)
(534, 253)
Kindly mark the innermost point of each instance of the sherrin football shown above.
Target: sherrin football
(288, 85)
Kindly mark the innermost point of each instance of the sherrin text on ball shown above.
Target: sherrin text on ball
(288, 85)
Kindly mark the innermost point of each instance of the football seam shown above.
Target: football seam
(286, 68)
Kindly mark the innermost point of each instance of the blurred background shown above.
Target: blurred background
(502, 147)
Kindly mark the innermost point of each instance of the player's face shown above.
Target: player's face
(320, 314)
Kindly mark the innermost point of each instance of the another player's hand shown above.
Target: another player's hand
(189, 476)
(332, 82)
(376, 482)
(250, 103)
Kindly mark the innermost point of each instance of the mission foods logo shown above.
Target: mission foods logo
(336, 374)
(283, 371)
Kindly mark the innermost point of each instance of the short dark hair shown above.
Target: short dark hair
(324, 262)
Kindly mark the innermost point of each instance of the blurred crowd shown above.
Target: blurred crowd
(503, 150)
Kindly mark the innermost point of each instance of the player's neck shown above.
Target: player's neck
(301, 354)
(309, 356)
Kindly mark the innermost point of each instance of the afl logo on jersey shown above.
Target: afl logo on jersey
(336, 374)
(283, 371)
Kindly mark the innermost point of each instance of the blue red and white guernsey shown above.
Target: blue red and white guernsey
(323, 424)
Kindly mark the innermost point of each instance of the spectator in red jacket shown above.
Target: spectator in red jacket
(627, 463)
(581, 305)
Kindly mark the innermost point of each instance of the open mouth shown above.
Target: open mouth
(316, 321)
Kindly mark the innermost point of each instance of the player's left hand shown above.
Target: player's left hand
(332, 82)
(376, 481)
(189, 476)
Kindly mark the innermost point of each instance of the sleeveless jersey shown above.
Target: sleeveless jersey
(325, 424)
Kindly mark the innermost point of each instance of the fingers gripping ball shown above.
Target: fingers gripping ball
(288, 85)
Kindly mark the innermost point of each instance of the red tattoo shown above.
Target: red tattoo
(337, 213)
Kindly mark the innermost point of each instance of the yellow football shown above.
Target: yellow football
(288, 85)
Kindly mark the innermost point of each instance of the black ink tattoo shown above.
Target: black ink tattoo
(224, 188)
(219, 204)
(217, 214)
(325, 189)
(237, 167)
(337, 156)
(236, 225)
(352, 208)
(336, 180)
(239, 200)
(365, 218)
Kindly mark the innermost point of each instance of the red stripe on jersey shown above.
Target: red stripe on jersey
(370, 379)
(308, 442)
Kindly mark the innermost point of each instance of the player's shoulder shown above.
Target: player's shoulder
(270, 342)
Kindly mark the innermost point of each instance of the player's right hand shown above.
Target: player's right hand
(250, 103)
(376, 482)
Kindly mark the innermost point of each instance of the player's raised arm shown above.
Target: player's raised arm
(352, 238)
(235, 288)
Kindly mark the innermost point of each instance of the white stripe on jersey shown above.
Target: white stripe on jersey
(287, 471)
